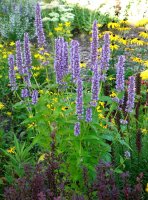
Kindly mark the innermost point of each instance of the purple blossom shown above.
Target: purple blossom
(94, 45)
(19, 59)
(12, 78)
(79, 99)
(95, 86)
(75, 59)
(27, 53)
(120, 74)
(89, 114)
(131, 94)
(124, 122)
(39, 27)
(34, 96)
(105, 57)
(24, 93)
(77, 129)
(127, 154)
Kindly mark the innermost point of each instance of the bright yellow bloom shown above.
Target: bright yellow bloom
(114, 37)
(41, 49)
(123, 41)
(82, 65)
(114, 47)
(1, 46)
(142, 22)
(1, 106)
(9, 113)
(67, 24)
(143, 34)
(101, 103)
(58, 29)
(136, 59)
(137, 41)
(11, 150)
(113, 94)
(64, 108)
(113, 25)
(124, 22)
(123, 28)
(37, 55)
(46, 54)
(111, 78)
(18, 76)
(36, 74)
(99, 25)
(12, 44)
(41, 91)
(5, 56)
(144, 75)
(146, 189)
(101, 116)
(42, 158)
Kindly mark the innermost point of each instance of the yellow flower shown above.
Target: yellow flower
(136, 59)
(60, 24)
(9, 113)
(99, 109)
(124, 21)
(144, 75)
(113, 25)
(82, 65)
(41, 91)
(46, 54)
(137, 41)
(64, 108)
(123, 41)
(123, 28)
(41, 49)
(31, 125)
(15, 68)
(37, 55)
(113, 94)
(144, 35)
(1, 106)
(67, 24)
(50, 34)
(36, 74)
(111, 78)
(101, 116)
(142, 22)
(42, 158)
(146, 189)
(114, 47)
(1, 46)
(18, 76)
(101, 103)
(11, 150)
(5, 56)
(12, 44)
(144, 131)
(55, 100)
(58, 29)
(99, 25)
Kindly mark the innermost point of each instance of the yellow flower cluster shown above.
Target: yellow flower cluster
(144, 75)
(1, 106)
(11, 150)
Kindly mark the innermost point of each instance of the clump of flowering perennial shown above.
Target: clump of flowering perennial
(39, 27)
(89, 114)
(12, 78)
(95, 86)
(77, 129)
(61, 59)
(79, 99)
(94, 45)
(24, 93)
(105, 57)
(131, 94)
(34, 96)
(19, 59)
(75, 60)
(120, 74)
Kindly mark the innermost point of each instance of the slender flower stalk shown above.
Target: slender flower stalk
(19, 59)
(94, 45)
(79, 99)
(39, 27)
(75, 60)
(77, 129)
(131, 94)
(120, 74)
(34, 96)
(12, 78)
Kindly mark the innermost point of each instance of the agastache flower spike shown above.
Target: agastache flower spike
(79, 99)
(94, 45)
(39, 27)
(34, 96)
(131, 94)
(75, 60)
(89, 114)
(27, 53)
(24, 93)
(19, 59)
(12, 78)
(77, 129)
(120, 74)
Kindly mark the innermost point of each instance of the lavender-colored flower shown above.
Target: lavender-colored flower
(95, 86)
(19, 59)
(39, 27)
(127, 154)
(77, 129)
(120, 74)
(105, 57)
(131, 94)
(124, 122)
(34, 96)
(75, 60)
(94, 45)
(65, 58)
(12, 78)
(89, 114)
(79, 99)
(24, 93)
(27, 53)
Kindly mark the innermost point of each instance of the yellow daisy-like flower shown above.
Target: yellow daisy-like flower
(136, 59)
(146, 189)
(99, 25)
(113, 94)
(12, 44)
(101, 116)
(11, 150)
(101, 103)
(144, 35)
(64, 108)
(137, 41)
(124, 29)
(142, 22)
(114, 37)
(123, 41)
(124, 21)
(114, 47)
(1, 106)
(67, 24)
(58, 29)
(113, 25)
(37, 55)
(82, 65)
(144, 75)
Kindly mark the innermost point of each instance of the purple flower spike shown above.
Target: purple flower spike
(77, 129)
(89, 114)
(79, 100)
(75, 60)
(12, 78)
(19, 59)
(105, 57)
(27, 53)
(34, 96)
(95, 86)
(131, 94)
(39, 27)
(94, 45)
(25, 93)
(120, 74)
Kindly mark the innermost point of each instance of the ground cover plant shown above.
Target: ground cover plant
(70, 129)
